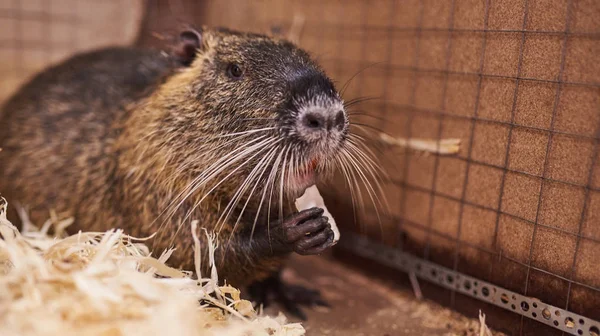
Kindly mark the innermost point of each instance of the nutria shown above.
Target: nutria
(225, 130)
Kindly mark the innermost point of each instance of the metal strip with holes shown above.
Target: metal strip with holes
(558, 318)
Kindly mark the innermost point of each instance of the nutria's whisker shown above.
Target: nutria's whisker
(362, 126)
(235, 155)
(281, 187)
(358, 100)
(212, 170)
(265, 188)
(246, 132)
(359, 167)
(209, 146)
(241, 191)
(350, 168)
(362, 162)
(364, 113)
(369, 158)
(216, 168)
(356, 174)
(290, 168)
(345, 170)
(181, 169)
(271, 184)
(297, 159)
(354, 76)
(249, 119)
(260, 169)
(357, 143)
(367, 132)
(263, 148)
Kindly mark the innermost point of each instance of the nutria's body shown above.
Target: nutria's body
(115, 137)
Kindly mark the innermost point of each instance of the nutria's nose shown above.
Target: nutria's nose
(315, 122)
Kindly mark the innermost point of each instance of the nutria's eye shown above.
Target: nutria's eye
(234, 71)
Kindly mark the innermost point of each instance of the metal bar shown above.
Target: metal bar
(409, 122)
(440, 124)
(548, 147)
(509, 137)
(591, 171)
(33, 45)
(47, 18)
(340, 41)
(21, 14)
(351, 30)
(17, 42)
(388, 65)
(387, 83)
(466, 73)
(73, 36)
(363, 55)
(413, 108)
(471, 136)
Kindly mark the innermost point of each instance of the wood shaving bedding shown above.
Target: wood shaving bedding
(107, 283)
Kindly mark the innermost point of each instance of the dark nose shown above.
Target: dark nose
(318, 121)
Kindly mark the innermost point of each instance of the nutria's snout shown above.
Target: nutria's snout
(317, 117)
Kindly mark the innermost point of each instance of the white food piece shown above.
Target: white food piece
(443, 146)
(312, 198)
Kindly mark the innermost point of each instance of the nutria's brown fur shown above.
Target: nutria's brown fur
(115, 138)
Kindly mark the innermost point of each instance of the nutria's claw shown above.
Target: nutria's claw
(307, 232)
(290, 297)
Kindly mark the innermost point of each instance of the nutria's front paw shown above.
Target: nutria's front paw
(307, 232)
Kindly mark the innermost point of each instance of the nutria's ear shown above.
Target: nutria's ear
(190, 41)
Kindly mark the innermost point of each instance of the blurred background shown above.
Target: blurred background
(517, 81)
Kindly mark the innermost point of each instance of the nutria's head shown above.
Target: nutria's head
(261, 101)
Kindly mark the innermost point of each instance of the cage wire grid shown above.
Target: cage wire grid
(408, 54)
